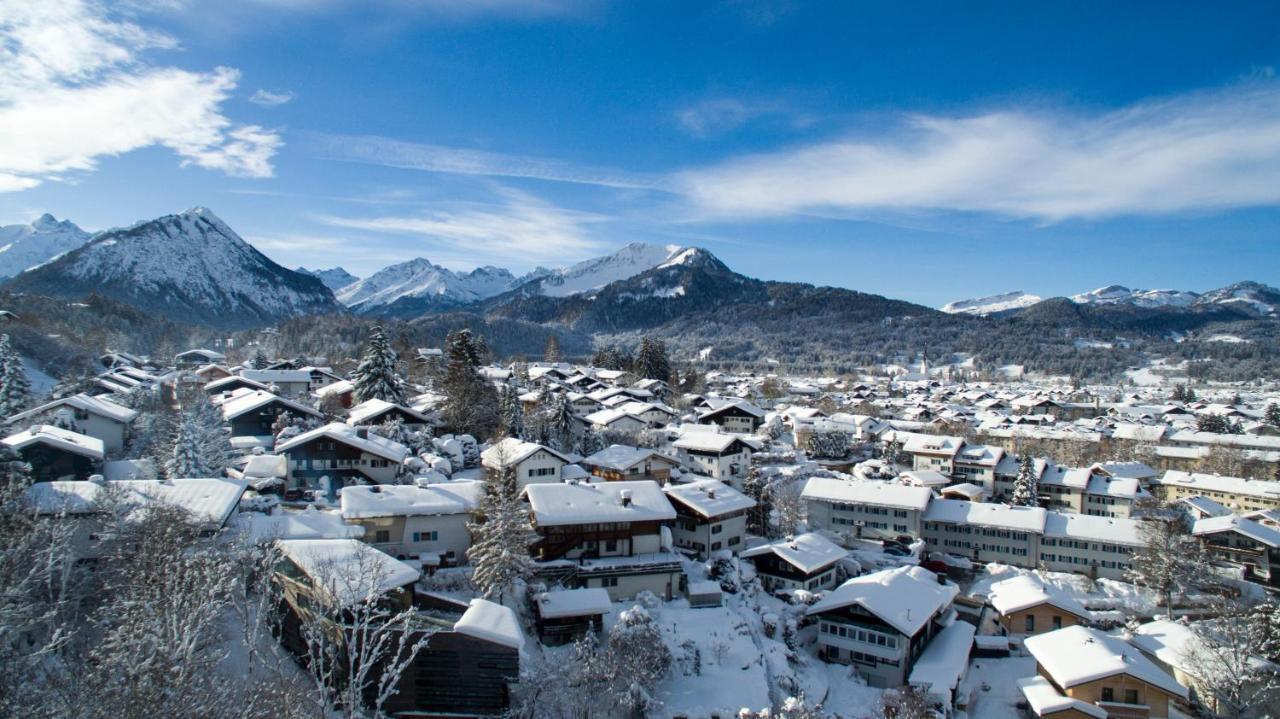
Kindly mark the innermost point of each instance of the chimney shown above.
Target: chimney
(942, 578)
(362, 432)
(711, 492)
(625, 497)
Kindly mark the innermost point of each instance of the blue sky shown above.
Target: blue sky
(927, 151)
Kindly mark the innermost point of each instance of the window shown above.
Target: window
(425, 536)
(542, 471)
(1057, 621)
(608, 581)
(1108, 694)
(611, 545)
(717, 528)
(1030, 622)
(733, 541)
(1130, 696)
(382, 536)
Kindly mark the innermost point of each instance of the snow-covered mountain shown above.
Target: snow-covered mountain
(335, 278)
(1252, 297)
(1118, 294)
(419, 279)
(994, 304)
(190, 267)
(25, 246)
(591, 275)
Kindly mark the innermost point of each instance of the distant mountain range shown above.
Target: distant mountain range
(1251, 298)
(190, 267)
(335, 278)
(25, 246)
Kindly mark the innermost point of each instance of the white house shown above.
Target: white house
(531, 462)
(710, 516)
(866, 508)
(346, 455)
(427, 522)
(94, 416)
(716, 455)
(807, 561)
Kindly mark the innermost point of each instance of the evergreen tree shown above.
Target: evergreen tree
(511, 413)
(259, 359)
(1025, 487)
(187, 459)
(560, 422)
(756, 486)
(375, 377)
(551, 353)
(15, 388)
(1215, 423)
(652, 361)
(471, 402)
(1272, 415)
(590, 443)
(500, 535)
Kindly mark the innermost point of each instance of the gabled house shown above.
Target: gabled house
(566, 615)
(1026, 605)
(605, 534)
(427, 522)
(711, 516)
(377, 411)
(94, 416)
(251, 413)
(1109, 673)
(806, 561)
(57, 454)
(343, 391)
(880, 623)
(734, 415)
(622, 462)
(531, 462)
(615, 420)
(288, 382)
(1244, 543)
(346, 455)
(230, 384)
(198, 358)
(715, 455)
(936, 452)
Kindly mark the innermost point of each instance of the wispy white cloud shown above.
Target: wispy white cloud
(439, 158)
(74, 88)
(519, 229)
(268, 98)
(1200, 151)
(717, 115)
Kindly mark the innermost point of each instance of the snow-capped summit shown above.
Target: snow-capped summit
(994, 304)
(190, 267)
(591, 275)
(419, 279)
(25, 246)
(334, 278)
(1118, 294)
(1253, 297)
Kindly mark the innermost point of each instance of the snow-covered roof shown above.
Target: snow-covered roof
(924, 478)
(904, 597)
(339, 432)
(342, 386)
(258, 466)
(586, 503)
(512, 451)
(606, 417)
(1113, 530)
(980, 454)
(621, 457)
(275, 376)
(986, 514)
(1078, 655)
(573, 603)
(119, 469)
(63, 439)
(210, 500)
(100, 406)
(262, 528)
(968, 490)
(234, 380)
(944, 661)
(1137, 470)
(1122, 487)
(1044, 699)
(1066, 477)
(347, 569)
(702, 441)
(932, 444)
(245, 402)
(371, 408)
(1205, 506)
(401, 500)
(709, 497)
(719, 406)
(883, 494)
(1253, 530)
(491, 622)
(1220, 483)
(1025, 591)
(807, 552)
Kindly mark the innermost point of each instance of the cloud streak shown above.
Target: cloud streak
(73, 88)
(519, 229)
(387, 152)
(1201, 151)
(268, 98)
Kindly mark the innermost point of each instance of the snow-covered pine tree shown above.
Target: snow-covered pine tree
(215, 442)
(375, 377)
(187, 459)
(638, 658)
(828, 444)
(1025, 487)
(561, 422)
(500, 535)
(1170, 560)
(590, 443)
(259, 359)
(551, 352)
(15, 388)
(511, 413)
(471, 402)
(1272, 415)
(652, 361)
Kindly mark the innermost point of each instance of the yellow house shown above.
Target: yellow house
(1027, 606)
(1103, 671)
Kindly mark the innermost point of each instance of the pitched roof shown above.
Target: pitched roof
(905, 597)
(1260, 533)
(883, 494)
(211, 499)
(491, 622)
(349, 570)
(370, 408)
(709, 497)
(63, 439)
(339, 432)
(1025, 591)
(100, 406)
(622, 457)
(1077, 655)
(589, 503)
(399, 500)
(986, 514)
(510, 451)
(807, 552)
(247, 401)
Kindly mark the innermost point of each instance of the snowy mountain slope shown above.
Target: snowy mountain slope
(190, 267)
(992, 305)
(25, 246)
(419, 279)
(335, 278)
(1252, 297)
(1118, 294)
(591, 275)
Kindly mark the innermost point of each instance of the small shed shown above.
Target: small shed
(564, 616)
(704, 594)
